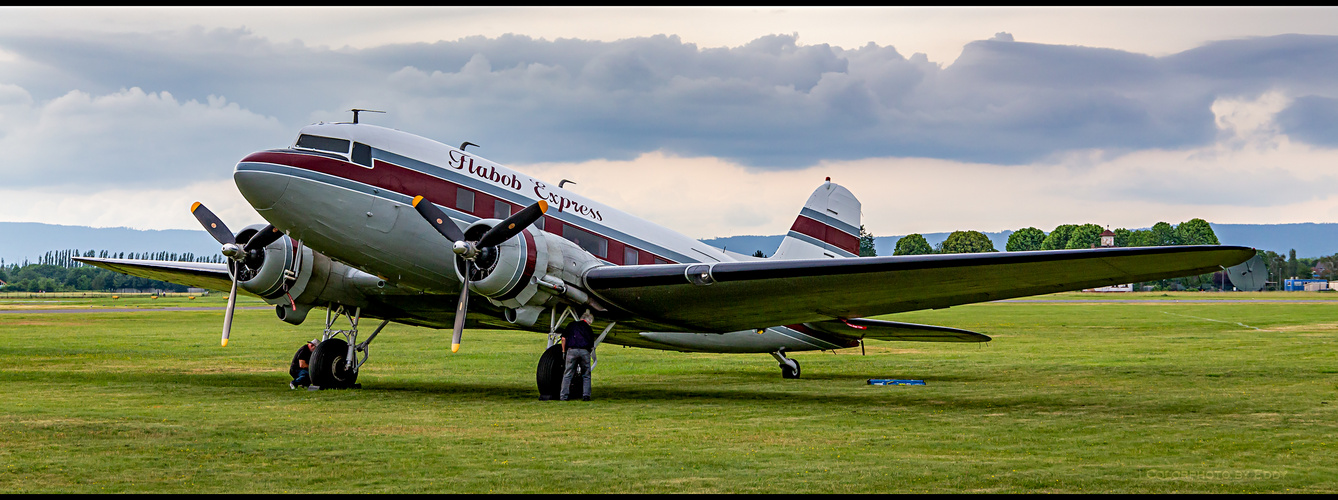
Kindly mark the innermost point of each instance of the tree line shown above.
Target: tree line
(57, 271)
(1076, 236)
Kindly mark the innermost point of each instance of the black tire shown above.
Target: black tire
(548, 375)
(327, 365)
(787, 372)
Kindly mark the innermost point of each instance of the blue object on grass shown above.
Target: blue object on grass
(890, 381)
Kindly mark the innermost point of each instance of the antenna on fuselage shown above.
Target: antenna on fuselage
(356, 110)
(466, 144)
(564, 182)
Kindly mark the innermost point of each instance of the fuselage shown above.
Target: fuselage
(346, 190)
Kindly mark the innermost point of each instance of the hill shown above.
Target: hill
(29, 240)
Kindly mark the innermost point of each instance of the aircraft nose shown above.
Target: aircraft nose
(262, 189)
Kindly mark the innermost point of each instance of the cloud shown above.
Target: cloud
(769, 104)
(128, 138)
(1313, 119)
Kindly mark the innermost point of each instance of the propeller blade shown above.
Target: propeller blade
(513, 225)
(438, 219)
(212, 224)
(227, 314)
(461, 308)
(268, 235)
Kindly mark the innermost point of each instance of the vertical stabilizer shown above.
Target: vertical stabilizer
(827, 226)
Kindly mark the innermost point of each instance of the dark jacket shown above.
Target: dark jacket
(579, 335)
(302, 354)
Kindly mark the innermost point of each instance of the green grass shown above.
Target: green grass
(1070, 397)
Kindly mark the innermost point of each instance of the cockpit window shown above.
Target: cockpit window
(362, 154)
(323, 143)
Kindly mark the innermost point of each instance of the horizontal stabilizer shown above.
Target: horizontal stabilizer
(892, 330)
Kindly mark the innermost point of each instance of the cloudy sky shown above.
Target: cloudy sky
(712, 121)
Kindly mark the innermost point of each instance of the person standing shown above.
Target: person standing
(300, 370)
(577, 341)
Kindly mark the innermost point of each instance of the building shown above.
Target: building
(1304, 285)
(1107, 241)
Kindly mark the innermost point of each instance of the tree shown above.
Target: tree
(967, 242)
(1195, 232)
(1160, 235)
(866, 243)
(1085, 236)
(1059, 238)
(1123, 237)
(912, 244)
(1025, 239)
(1292, 267)
(759, 254)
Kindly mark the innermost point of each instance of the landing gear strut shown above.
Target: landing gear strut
(335, 361)
(789, 367)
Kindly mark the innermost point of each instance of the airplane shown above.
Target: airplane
(372, 222)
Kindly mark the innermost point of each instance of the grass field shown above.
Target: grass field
(1146, 396)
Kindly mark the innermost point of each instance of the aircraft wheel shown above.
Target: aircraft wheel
(327, 365)
(790, 369)
(548, 374)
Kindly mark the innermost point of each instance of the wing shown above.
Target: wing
(733, 296)
(196, 274)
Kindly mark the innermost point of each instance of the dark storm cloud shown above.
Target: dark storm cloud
(770, 104)
(1312, 119)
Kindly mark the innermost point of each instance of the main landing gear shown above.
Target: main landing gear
(549, 374)
(335, 361)
(789, 367)
(553, 363)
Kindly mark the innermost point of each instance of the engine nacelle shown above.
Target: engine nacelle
(295, 278)
(529, 273)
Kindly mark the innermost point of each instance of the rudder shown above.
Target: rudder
(827, 226)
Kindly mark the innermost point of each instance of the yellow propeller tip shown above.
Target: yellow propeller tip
(194, 206)
(543, 206)
(417, 199)
(455, 347)
(225, 342)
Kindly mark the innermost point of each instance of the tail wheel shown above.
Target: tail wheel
(328, 365)
(788, 371)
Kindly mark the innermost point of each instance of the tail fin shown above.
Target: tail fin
(827, 226)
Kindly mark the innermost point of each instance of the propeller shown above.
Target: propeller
(232, 250)
(472, 250)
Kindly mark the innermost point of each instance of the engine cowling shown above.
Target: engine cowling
(295, 278)
(529, 273)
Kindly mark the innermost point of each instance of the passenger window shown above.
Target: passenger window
(464, 199)
(362, 154)
(323, 143)
(660, 261)
(629, 256)
(591, 242)
(501, 209)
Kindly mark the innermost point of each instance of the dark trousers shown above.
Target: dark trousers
(575, 357)
(303, 378)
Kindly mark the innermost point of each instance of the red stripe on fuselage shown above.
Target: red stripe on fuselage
(408, 182)
(827, 234)
(386, 175)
